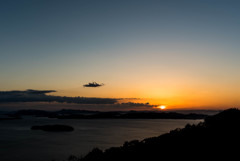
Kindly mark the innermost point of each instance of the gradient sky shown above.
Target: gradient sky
(180, 53)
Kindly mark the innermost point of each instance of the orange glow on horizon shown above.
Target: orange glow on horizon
(180, 94)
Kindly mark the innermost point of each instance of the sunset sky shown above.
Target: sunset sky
(178, 53)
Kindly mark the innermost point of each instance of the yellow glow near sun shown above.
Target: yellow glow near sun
(162, 107)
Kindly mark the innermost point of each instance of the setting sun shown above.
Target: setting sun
(162, 107)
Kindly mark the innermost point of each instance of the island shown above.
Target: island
(53, 128)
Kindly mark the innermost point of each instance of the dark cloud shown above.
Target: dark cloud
(93, 84)
(40, 96)
(138, 104)
(31, 91)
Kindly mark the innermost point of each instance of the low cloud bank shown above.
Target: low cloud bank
(40, 96)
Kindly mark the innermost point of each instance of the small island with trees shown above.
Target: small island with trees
(53, 128)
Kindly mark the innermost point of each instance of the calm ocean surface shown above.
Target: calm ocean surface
(19, 143)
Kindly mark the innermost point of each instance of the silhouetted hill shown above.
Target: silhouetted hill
(8, 116)
(218, 137)
(83, 114)
(33, 112)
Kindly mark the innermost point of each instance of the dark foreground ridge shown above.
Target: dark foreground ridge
(53, 128)
(218, 137)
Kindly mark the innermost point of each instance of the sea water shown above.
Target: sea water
(19, 143)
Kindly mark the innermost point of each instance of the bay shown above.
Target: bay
(19, 143)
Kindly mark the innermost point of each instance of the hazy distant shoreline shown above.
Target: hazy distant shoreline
(84, 114)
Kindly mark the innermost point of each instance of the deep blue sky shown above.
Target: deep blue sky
(170, 49)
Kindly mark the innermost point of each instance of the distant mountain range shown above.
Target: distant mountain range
(83, 114)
